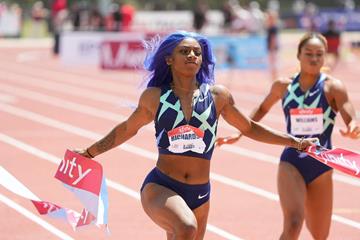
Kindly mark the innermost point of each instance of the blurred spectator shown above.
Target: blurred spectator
(59, 15)
(310, 19)
(242, 17)
(255, 24)
(96, 21)
(273, 5)
(333, 37)
(16, 10)
(56, 7)
(75, 13)
(127, 12)
(82, 16)
(229, 15)
(199, 14)
(38, 17)
(116, 18)
(272, 33)
(349, 5)
(3, 8)
(298, 7)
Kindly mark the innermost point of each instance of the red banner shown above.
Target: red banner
(80, 172)
(341, 159)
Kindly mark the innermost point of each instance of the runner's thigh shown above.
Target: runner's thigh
(166, 208)
(319, 203)
(292, 190)
(201, 214)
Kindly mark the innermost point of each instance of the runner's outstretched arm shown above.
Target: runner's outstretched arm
(253, 129)
(275, 94)
(126, 129)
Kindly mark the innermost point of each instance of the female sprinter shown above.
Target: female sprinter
(305, 184)
(185, 105)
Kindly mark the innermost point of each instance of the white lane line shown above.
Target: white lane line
(244, 186)
(9, 182)
(346, 221)
(7, 98)
(65, 88)
(108, 82)
(94, 136)
(44, 43)
(31, 56)
(117, 186)
(92, 111)
(20, 209)
(58, 102)
(223, 233)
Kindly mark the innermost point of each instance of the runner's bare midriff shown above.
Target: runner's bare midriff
(189, 170)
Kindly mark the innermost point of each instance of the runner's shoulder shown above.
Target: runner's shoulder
(219, 89)
(150, 93)
(150, 97)
(280, 85)
(221, 94)
(283, 81)
(334, 84)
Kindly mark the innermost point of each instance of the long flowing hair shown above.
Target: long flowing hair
(157, 51)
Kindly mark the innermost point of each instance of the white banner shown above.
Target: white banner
(83, 48)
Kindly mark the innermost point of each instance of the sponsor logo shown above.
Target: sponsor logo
(202, 99)
(313, 93)
(202, 196)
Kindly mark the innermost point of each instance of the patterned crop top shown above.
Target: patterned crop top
(175, 135)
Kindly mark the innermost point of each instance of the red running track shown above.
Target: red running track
(46, 108)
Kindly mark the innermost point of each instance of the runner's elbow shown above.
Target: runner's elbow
(249, 130)
(263, 110)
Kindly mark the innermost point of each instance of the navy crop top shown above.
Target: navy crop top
(308, 114)
(175, 135)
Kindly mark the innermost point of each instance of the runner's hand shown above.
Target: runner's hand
(84, 152)
(304, 143)
(352, 131)
(227, 140)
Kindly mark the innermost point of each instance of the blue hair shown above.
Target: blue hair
(155, 60)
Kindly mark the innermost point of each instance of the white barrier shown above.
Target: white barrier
(83, 48)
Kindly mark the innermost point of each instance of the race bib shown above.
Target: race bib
(307, 121)
(186, 138)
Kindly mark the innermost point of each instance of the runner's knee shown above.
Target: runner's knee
(186, 230)
(319, 234)
(294, 222)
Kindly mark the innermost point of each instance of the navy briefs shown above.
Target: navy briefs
(193, 194)
(308, 167)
